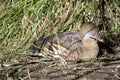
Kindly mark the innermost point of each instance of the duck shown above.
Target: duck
(70, 45)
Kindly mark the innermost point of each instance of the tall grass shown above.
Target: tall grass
(22, 21)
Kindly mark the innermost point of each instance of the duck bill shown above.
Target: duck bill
(99, 38)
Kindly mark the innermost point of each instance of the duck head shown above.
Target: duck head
(89, 30)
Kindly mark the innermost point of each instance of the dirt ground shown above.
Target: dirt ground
(106, 67)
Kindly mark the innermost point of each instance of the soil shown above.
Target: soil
(106, 67)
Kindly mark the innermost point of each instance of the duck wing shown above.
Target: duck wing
(70, 40)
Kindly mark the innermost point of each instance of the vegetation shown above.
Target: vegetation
(22, 21)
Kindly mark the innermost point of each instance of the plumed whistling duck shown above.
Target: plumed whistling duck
(71, 45)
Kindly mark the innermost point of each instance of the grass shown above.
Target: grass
(22, 21)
